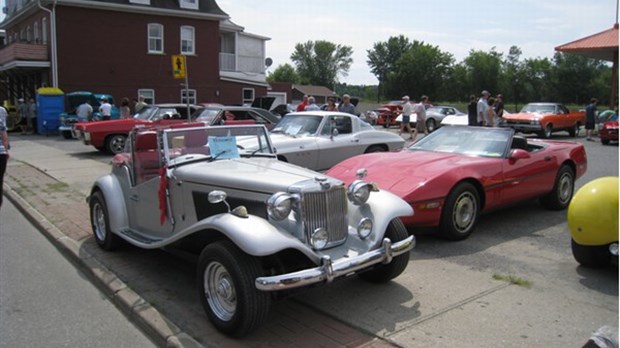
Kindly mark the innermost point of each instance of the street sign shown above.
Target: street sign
(178, 66)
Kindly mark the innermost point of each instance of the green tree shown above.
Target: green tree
(420, 70)
(572, 77)
(383, 57)
(483, 70)
(320, 62)
(456, 85)
(537, 80)
(283, 73)
(512, 77)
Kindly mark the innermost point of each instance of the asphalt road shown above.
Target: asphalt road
(446, 297)
(46, 302)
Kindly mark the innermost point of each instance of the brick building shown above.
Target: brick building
(125, 48)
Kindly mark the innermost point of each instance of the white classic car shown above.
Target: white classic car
(436, 115)
(257, 225)
(319, 139)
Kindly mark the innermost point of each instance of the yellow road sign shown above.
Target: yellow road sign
(178, 66)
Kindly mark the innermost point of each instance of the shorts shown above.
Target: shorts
(420, 126)
(589, 124)
(406, 119)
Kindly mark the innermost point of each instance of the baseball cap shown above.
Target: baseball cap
(485, 92)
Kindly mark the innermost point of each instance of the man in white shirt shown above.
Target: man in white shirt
(420, 111)
(405, 123)
(105, 109)
(482, 107)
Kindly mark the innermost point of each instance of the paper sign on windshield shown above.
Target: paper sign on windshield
(223, 147)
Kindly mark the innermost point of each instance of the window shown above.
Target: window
(148, 94)
(44, 30)
(156, 38)
(37, 39)
(189, 4)
(28, 34)
(187, 40)
(141, 2)
(248, 95)
(190, 95)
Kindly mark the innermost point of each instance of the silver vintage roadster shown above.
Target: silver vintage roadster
(257, 225)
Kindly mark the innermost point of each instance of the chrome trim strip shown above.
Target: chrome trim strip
(331, 270)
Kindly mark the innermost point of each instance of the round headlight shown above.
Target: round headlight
(613, 249)
(319, 238)
(364, 228)
(359, 191)
(279, 206)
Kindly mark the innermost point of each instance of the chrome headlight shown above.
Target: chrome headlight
(359, 191)
(534, 121)
(279, 205)
(319, 238)
(364, 228)
(613, 249)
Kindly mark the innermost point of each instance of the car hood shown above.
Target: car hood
(610, 124)
(76, 99)
(524, 116)
(286, 143)
(404, 171)
(123, 123)
(266, 175)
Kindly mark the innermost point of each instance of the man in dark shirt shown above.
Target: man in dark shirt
(472, 109)
(590, 118)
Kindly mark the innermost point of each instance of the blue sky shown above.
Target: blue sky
(455, 26)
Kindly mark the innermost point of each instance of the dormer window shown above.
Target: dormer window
(141, 2)
(189, 4)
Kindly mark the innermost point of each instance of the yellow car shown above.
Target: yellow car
(593, 223)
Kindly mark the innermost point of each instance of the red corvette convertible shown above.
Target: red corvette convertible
(455, 173)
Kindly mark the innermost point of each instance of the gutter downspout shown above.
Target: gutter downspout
(52, 13)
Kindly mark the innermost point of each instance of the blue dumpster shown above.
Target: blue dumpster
(50, 104)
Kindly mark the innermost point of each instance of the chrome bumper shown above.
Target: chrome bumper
(329, 270)
(525, 128)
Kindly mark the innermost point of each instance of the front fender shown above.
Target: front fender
(114, 200)
(254, 235)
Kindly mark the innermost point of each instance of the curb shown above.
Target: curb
(162, 331)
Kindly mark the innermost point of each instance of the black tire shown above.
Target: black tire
(460, 212)
(547, 132)
(100, 223)
(431, 125)
(227, 292)
(574, 131)
(375, 148)
(563, 188)
(115, 144)
(604, 141)
(396, 232)
(67, 134)
(591, 256)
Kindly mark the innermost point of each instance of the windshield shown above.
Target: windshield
(144, 113)
(206, 115)
(539, 108)
(216, 143)
(472, 141)
(296, 125)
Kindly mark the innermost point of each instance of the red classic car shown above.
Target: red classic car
(544, 119)
(608, 132)
(110, 135)
(452, 175)
(387, 113)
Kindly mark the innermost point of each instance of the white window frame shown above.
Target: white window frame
(246, 100)
(149, 37)
(192, 96)
(148, 94)
(140, 2)
(191, 41)
(37, 38)
(44, 31)
(188, 4)
(29, 34)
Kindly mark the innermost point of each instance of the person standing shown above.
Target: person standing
(590, 118)
(4, 148)
(346, 105)
(312, 105)
(125, 109)
(406, 122)
(32, 115)
(499, 107)
(331, 105)
(472, 119)
(105, 109)
(23, 110)
(491, 119)
(304, 102)
(140, 104)
(420, 110)
(481, 107)
(85, 111)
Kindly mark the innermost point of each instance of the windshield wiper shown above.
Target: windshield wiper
(218, 155)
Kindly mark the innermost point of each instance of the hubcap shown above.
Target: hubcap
(565, 188)
(118, 144)
(99, 222)
(220, 291)
(464, 212)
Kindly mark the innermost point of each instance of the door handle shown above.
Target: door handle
(134, 197)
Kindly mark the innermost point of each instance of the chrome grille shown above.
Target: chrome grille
(326, 209)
